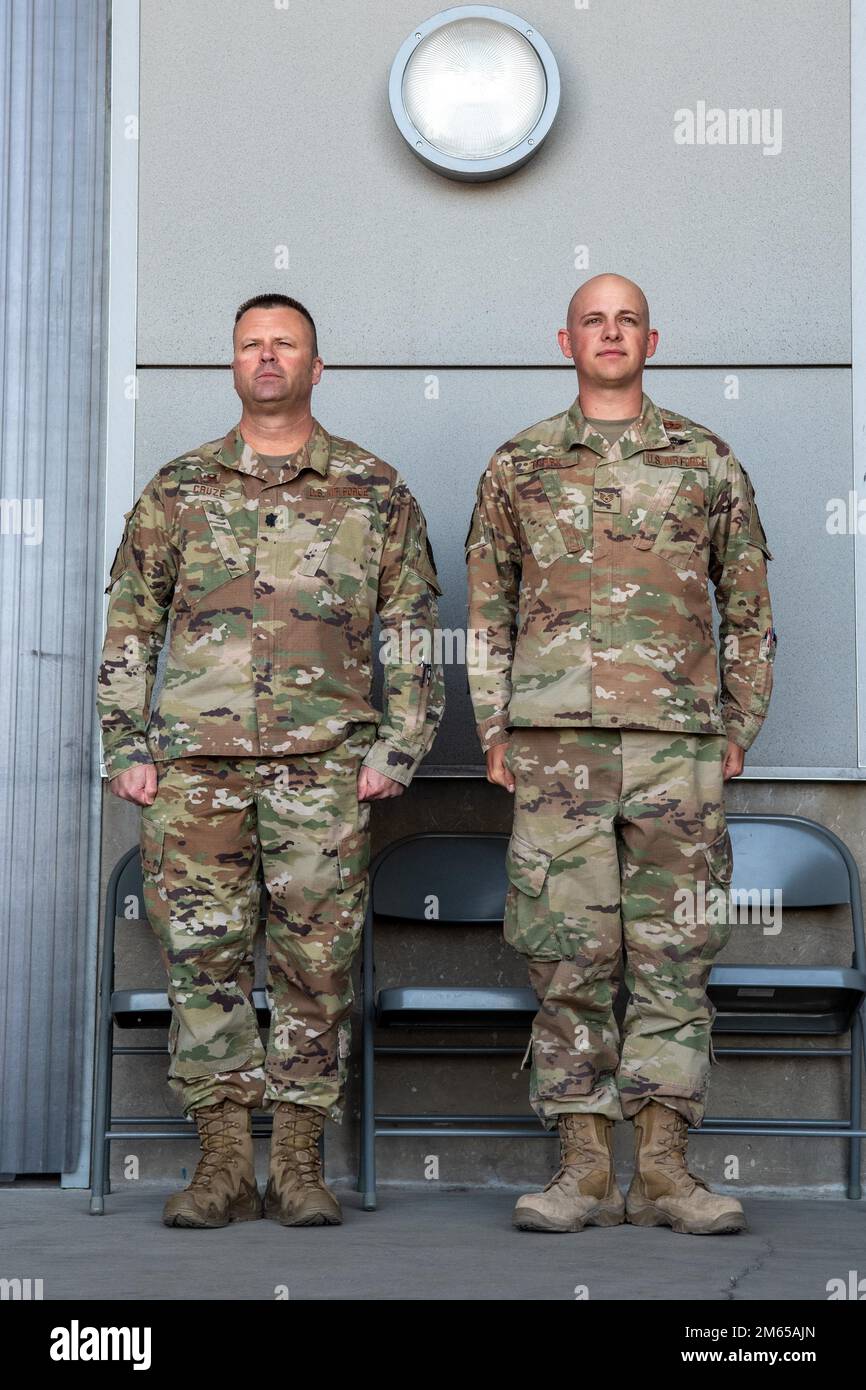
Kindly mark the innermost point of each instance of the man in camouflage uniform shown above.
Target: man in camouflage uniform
(596, 692)
(270, 551)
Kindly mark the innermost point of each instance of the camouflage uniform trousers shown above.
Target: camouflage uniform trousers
(620, 857)
(214, 823)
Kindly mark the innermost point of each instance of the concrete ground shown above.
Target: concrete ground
(421, 1244)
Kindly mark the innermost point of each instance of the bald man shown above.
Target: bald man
(604, 707)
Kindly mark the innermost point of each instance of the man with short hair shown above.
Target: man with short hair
(270, 550)
(592, 542)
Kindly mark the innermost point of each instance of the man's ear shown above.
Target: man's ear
(564, 340)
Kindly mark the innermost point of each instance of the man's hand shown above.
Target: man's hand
(734, 758)
(136, 784)
(375, 786)
(497, 772)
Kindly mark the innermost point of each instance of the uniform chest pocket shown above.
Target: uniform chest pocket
(675, 522)
(339, 545)
(315, 555)
(547, 516)
(211, 554)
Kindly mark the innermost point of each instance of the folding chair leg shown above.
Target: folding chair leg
(367, 1166)
(858, 1045)
(99, 1145)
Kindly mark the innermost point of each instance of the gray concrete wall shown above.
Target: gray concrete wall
(264, 129)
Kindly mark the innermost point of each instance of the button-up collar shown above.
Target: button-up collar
(647, 432)
(236, 453)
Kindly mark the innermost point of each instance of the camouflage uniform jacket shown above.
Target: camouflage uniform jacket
(271, 579)
(588, 595)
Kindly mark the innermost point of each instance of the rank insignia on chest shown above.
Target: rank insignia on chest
(607, 499)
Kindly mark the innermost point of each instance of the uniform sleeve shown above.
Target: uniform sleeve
(414, 690)
(493, 560)
(747, 639)
(141, 585)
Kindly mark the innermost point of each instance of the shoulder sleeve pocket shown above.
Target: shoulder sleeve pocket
(424, 565)
(118, 564)
(755, 533)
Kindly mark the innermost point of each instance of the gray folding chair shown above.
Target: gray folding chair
(466, 873)
(811, 867)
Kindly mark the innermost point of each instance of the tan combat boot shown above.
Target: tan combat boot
(223, 1187)
(296, 1194)
(663, 1192)
(583, 1192)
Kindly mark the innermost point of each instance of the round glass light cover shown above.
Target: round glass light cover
(474, 88)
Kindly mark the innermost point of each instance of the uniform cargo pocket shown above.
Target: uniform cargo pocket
(152, 841)
(718, 914)
(527, 925)
(720, 858)
(353, 857)
(526, 865)
(546, 912)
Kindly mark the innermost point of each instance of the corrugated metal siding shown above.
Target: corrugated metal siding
(52, 191)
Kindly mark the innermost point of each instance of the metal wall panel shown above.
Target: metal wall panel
(267, 125)
(52, 127)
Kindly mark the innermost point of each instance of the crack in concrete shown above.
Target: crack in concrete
(751, 1268)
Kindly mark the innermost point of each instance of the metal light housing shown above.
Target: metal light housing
(474, 91)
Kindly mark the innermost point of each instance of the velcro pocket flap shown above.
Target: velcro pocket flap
(353, 855)
(152, 840)
(317, 550)
(656, 512)
(720, 857)
(526, 865)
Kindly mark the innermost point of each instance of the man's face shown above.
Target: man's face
(608, 334)
(273, 358)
